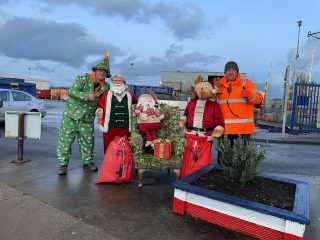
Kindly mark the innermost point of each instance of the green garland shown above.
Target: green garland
(169, 130)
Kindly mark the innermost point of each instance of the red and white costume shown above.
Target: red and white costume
(201, 115)
(149, 116)
(109, 126)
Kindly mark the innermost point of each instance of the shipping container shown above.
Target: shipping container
(9, 80)
(43, 94)
(22, 86)
(40, 84)
(28, 87)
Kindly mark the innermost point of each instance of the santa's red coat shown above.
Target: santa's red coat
(105, 104)
(203, 114)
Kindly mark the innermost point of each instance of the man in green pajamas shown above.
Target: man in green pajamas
(78, 116)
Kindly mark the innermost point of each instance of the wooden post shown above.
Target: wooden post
(20, 140)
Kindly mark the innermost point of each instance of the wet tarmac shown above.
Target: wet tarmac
(125, 211)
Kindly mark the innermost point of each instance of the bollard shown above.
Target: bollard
(20, 159)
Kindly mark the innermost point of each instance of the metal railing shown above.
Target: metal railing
(305, 108)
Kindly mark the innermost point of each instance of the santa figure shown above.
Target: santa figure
(114, 110)
(149, 116)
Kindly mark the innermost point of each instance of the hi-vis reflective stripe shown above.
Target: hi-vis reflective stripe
(232, 100)
(245, 120)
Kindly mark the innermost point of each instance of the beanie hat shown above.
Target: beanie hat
(104, 65)
(231, 64)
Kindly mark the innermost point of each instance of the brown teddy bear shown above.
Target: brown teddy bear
(202, 115)
(215, 88)
(203, 121)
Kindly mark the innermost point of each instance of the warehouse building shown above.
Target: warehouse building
(181, 81)
(40, 84)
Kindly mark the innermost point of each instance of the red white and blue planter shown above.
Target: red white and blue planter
(240, 215)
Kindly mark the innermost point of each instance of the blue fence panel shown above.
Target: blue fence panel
(156, 89)
(305, 108)
(302, 100)
(148, 89)
(132, 88)
(139, 90)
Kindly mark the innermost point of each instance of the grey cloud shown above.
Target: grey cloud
(44, 68)
(26, 38)
(305, 54)
(173, 60)
(185, 21)
(127, 9)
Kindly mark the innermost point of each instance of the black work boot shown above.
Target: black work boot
(90, 166)
(63, 170)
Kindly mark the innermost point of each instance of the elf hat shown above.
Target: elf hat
(104, 65)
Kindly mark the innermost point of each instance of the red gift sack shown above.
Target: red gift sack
(196, 155)
(117, 165)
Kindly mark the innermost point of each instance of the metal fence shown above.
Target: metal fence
(305, 108)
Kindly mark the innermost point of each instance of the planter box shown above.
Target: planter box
(240, 215)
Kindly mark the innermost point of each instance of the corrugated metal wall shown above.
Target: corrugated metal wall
(185, 79)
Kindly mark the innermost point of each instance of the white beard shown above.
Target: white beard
(119, 90)
(145, 104)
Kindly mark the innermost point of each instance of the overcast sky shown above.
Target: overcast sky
(60, 39)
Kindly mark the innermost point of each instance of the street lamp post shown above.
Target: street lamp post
(29, 68)
(297, 56)
(311, 34)
(299, 25)
(294, 75)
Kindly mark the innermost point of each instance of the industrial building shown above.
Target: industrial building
(181, 81)
(40, 84)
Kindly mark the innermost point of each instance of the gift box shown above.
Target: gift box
(162, 149)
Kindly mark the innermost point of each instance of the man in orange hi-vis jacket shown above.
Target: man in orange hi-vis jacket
(236, 100)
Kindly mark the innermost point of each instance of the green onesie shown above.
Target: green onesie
(78, 120)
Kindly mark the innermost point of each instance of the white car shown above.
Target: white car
(14, 100)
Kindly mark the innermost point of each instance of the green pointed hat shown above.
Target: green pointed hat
(104, 65)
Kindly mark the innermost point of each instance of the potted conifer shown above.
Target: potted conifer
(238, 198)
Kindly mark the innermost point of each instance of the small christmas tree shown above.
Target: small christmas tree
(241, 160)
